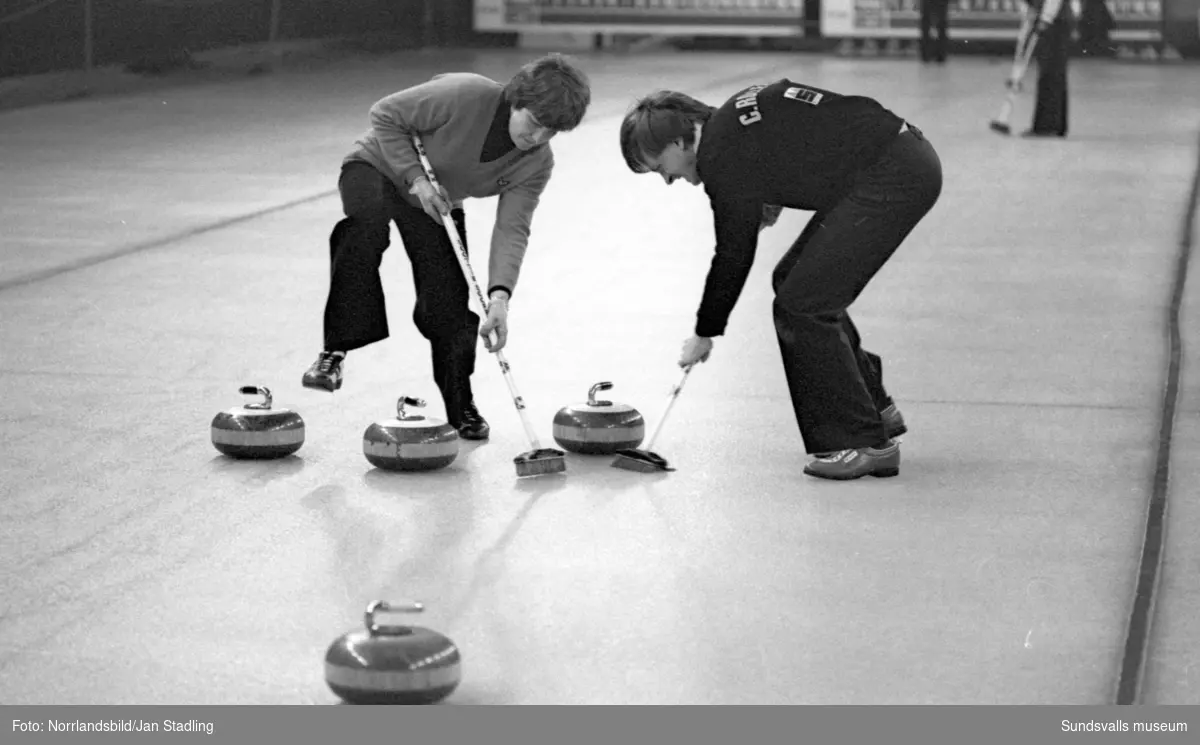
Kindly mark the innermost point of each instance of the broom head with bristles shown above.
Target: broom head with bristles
(538, 462)
(643, 461)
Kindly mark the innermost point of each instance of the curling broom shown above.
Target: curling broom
(645, 459)
(1026, 42)
(539, 460)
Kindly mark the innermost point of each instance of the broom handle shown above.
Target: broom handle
(1006, 108)
(670, 403)
(518, 401)
(1027, 39)
(461, 252)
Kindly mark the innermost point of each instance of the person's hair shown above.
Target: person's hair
(553, 89)
(656, 121)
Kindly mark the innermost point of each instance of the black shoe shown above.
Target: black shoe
(470, 424)
(326, 373)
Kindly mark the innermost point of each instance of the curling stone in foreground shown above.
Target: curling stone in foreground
(410, 442)
(392, 664)
(257, 430)
(598, 427)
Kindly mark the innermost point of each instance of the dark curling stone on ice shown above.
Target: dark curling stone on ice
(257, 430)
(598, 427)
(410, 442)
(386, 664)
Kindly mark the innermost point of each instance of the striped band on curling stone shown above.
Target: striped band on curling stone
(392, 681)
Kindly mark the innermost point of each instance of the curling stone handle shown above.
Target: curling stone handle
(380, 606)
(605, 386)
(252, 390)
(408, 401)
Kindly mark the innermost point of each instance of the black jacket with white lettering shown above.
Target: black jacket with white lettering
(786, 144)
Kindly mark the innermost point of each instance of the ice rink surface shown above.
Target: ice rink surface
(162, 249)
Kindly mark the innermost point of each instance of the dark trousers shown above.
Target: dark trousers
(1052, 52)
(837, 386)
(1095, 28)
(355, 312)
(935, 16)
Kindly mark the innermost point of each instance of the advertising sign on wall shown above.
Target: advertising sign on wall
(1136, 20)
(679, 17)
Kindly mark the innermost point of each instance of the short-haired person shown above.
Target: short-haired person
(1049, 24)
(869, 176)
(483, 139)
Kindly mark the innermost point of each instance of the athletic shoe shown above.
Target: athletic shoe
(326, 373)
(470, 423)
(853, 464)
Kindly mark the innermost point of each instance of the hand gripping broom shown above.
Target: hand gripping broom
(539, 460)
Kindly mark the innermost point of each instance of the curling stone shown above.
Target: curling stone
(598, 427)
(392, 664)
(257, 430)
(410, 442)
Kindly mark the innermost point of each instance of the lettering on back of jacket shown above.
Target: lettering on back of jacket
(749, 100)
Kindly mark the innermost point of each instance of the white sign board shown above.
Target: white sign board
(1136, 20)
(658, 17)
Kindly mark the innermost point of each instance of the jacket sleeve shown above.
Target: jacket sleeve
(417, 110)
(510, 236)
(736, 222)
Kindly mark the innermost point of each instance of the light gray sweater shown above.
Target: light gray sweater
(452, 114)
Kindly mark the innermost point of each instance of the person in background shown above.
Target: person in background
(1095, 29)
(483, 139)
(935, 16)
(1051, 27)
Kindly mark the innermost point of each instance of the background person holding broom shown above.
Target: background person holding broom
(870, 178)
(483, 139)
(1052, 26)
(1047, 28)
